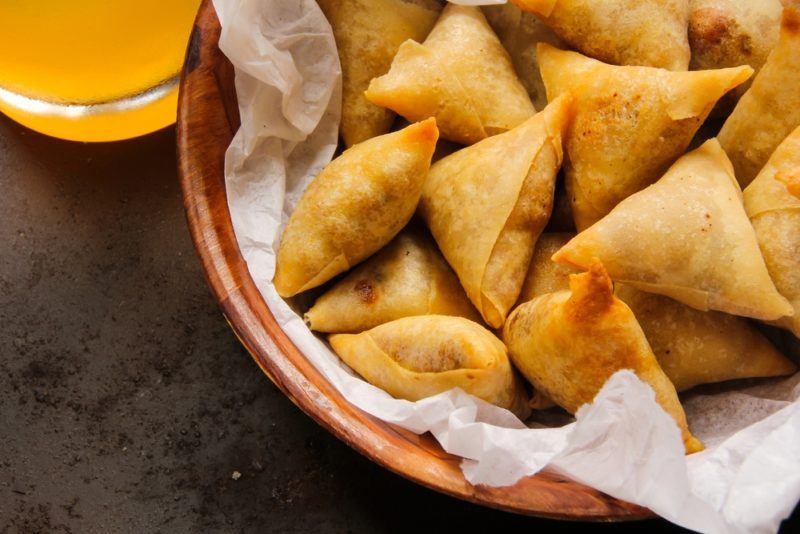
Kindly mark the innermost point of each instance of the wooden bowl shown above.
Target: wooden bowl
(207, 119)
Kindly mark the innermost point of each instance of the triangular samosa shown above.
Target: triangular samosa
(695, 347)
(630, 123)
(691, 346)
(417, 357)
(729, 33)
(687, 237)
(461, 75)
(520, 32)
(368, 34)
(407, 277)
(772, 202)
(487, 204)
(770, 109)
(356, 205)
(568, 343)
(649, 33)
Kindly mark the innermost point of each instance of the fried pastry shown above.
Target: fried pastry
(630, 123)
(461, 75)
(356, 205)
(568, 343)
(417, 357)
(487, 204)
(407, 277)
(687, 237)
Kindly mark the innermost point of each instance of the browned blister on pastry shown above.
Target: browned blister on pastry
(729, 33)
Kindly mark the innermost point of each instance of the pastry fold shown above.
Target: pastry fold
(487, 204)
(417, 357)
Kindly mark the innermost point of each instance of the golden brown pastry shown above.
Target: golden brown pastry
(417, 357)
(461, 75)
(357, 204)
(568, 343)
(770, 109)
(623, 32)
(695, 347)
(487, 204)
(729, 33)
(545, 275)
(772, 202)
(368, 34)
(407, 277)
(687, 237)
(630, 123)
(692, 347)
(519, 32)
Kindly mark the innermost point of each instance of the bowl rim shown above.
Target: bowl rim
(207, 120)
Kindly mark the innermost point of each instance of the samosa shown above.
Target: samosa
(519, 32)
(691, 346)
(461, 75)
(729, 33)
(772, 202)
(487, 204)
(368, 34)
(417, 357)
(407, 277)
(568, 343)
(356, 205)
(630, 123)
(687, 237)
(695, 347)
(649, 33)
(770, 109)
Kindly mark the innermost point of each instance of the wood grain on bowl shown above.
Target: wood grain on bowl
(207, 119)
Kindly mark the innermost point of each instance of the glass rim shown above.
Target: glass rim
(74, 110)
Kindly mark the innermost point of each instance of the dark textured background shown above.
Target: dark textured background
(126, 403)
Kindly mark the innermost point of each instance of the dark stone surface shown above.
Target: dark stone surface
(126, 403)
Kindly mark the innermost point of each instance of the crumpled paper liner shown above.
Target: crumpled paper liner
(288, 82)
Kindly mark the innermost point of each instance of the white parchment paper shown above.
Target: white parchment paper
(288, 82)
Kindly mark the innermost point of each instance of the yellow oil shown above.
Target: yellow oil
(85, 69)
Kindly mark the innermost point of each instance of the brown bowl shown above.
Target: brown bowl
(207, 119)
